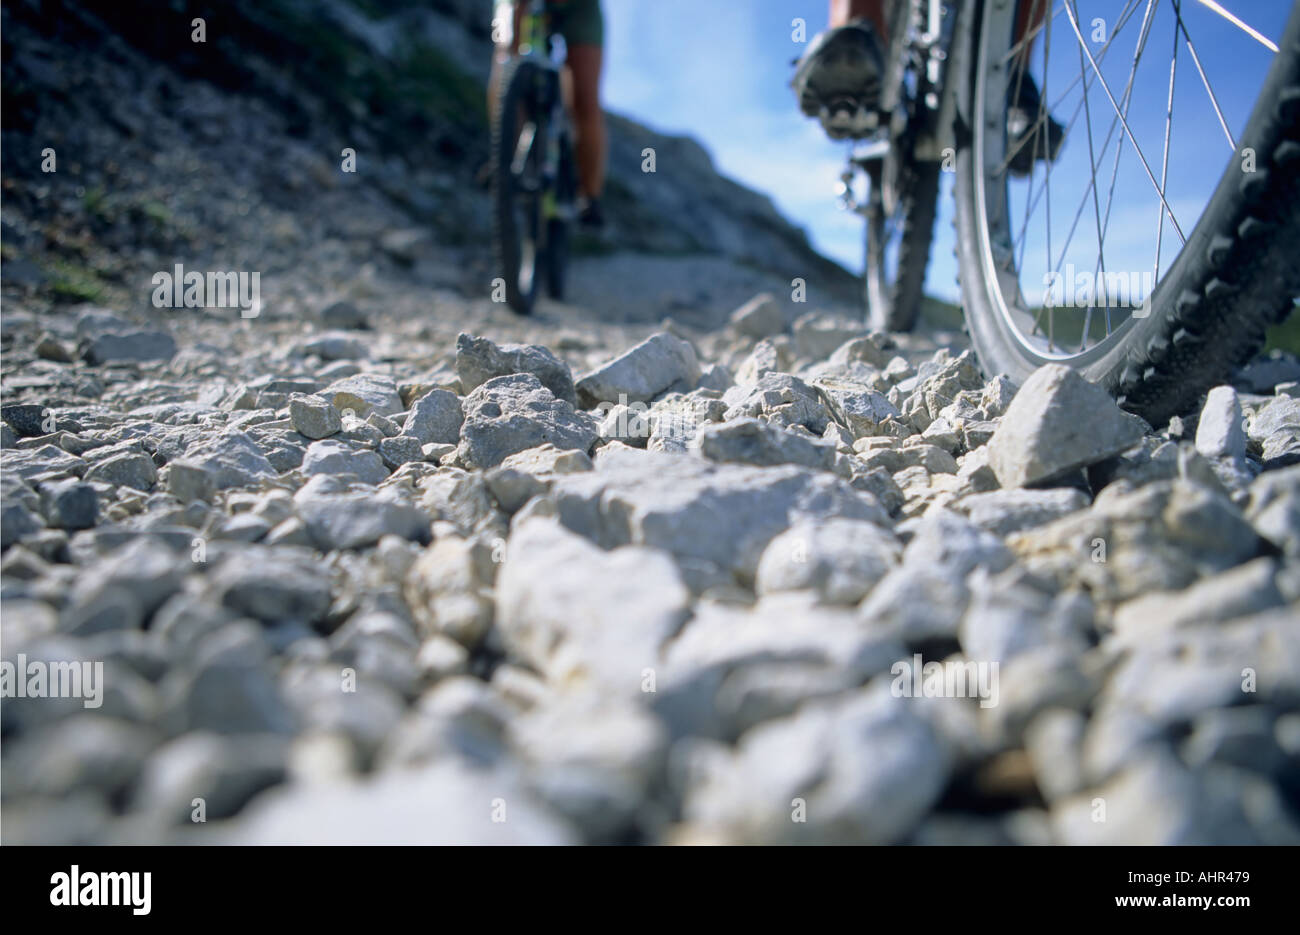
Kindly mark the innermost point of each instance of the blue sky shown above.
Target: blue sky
(718, 70)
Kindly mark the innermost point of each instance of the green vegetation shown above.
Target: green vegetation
(72, 283)
(1285, 335)
(584, 244)
(1067, 321)
(945, 316)
(371, 9)
(419, 89)
(426, 78)
(95, 201)
(939, 315)
(157, 212)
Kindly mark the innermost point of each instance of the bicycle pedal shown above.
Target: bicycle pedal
(846, 118)
(870, 152)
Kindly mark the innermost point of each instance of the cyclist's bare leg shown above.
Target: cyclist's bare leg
(844, 12)
(584, 67)
(1029, 17)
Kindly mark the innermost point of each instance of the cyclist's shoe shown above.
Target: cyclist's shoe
(589, 213)
(1024, 141)
(838, 79)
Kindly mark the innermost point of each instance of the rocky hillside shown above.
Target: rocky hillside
(386, 563)
(219, 151)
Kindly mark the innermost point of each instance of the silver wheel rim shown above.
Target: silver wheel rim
(1009, 212)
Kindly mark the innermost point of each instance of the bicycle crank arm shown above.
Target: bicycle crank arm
(870, 152)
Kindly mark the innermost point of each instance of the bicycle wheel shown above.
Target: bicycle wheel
(1196, 270)
(518, 195)
(902, 201)
(557, 246)
(898, 247)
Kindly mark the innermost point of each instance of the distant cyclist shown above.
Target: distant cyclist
(839, 77)
(583, 27)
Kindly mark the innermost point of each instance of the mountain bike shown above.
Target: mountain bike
(902, 161)
(534, 183)
(1145, 254)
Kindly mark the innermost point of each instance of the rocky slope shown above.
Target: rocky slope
(228, 154)
(386, 563)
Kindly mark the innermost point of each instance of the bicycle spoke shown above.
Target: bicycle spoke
(1092, 187)
(1127, 130)
(1024, 65)
(1047, 181)
(1031, 35)
(1232, 145)
(1253, 33)
(1038, 195)
(1164, 167)
(1032, 200)
(1021, 70)
(1138, 50)
(1125, 15)
(1143, 35)
(1104, 295)
(1031, 203)
(1074, 116)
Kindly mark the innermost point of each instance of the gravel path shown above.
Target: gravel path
(681, 561)
(780, 582)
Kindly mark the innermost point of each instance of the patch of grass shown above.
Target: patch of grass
(72, 283)
(418, 91)
(95, 202)
(584, 244)
(1285, 335)
(420, 79)
(940, 315)
(370, 9)
(427, 78)
(157, 212)
(1067, 322)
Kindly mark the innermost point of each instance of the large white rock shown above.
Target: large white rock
(718, 514)
(446, 803)
(513, 413)
(1220, 433)
(840, 560)
(863, 770)
(582, 615)
(1058, 423)
(658, 363)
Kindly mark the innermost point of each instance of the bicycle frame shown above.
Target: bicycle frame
(535, 44)
(929, 34)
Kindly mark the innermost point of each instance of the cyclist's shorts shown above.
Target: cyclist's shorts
(579, 21)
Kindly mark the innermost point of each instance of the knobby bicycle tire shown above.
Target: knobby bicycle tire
(894, 305)
(899, 300)
(517, 88)
(557, 240)
(1236, 274)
